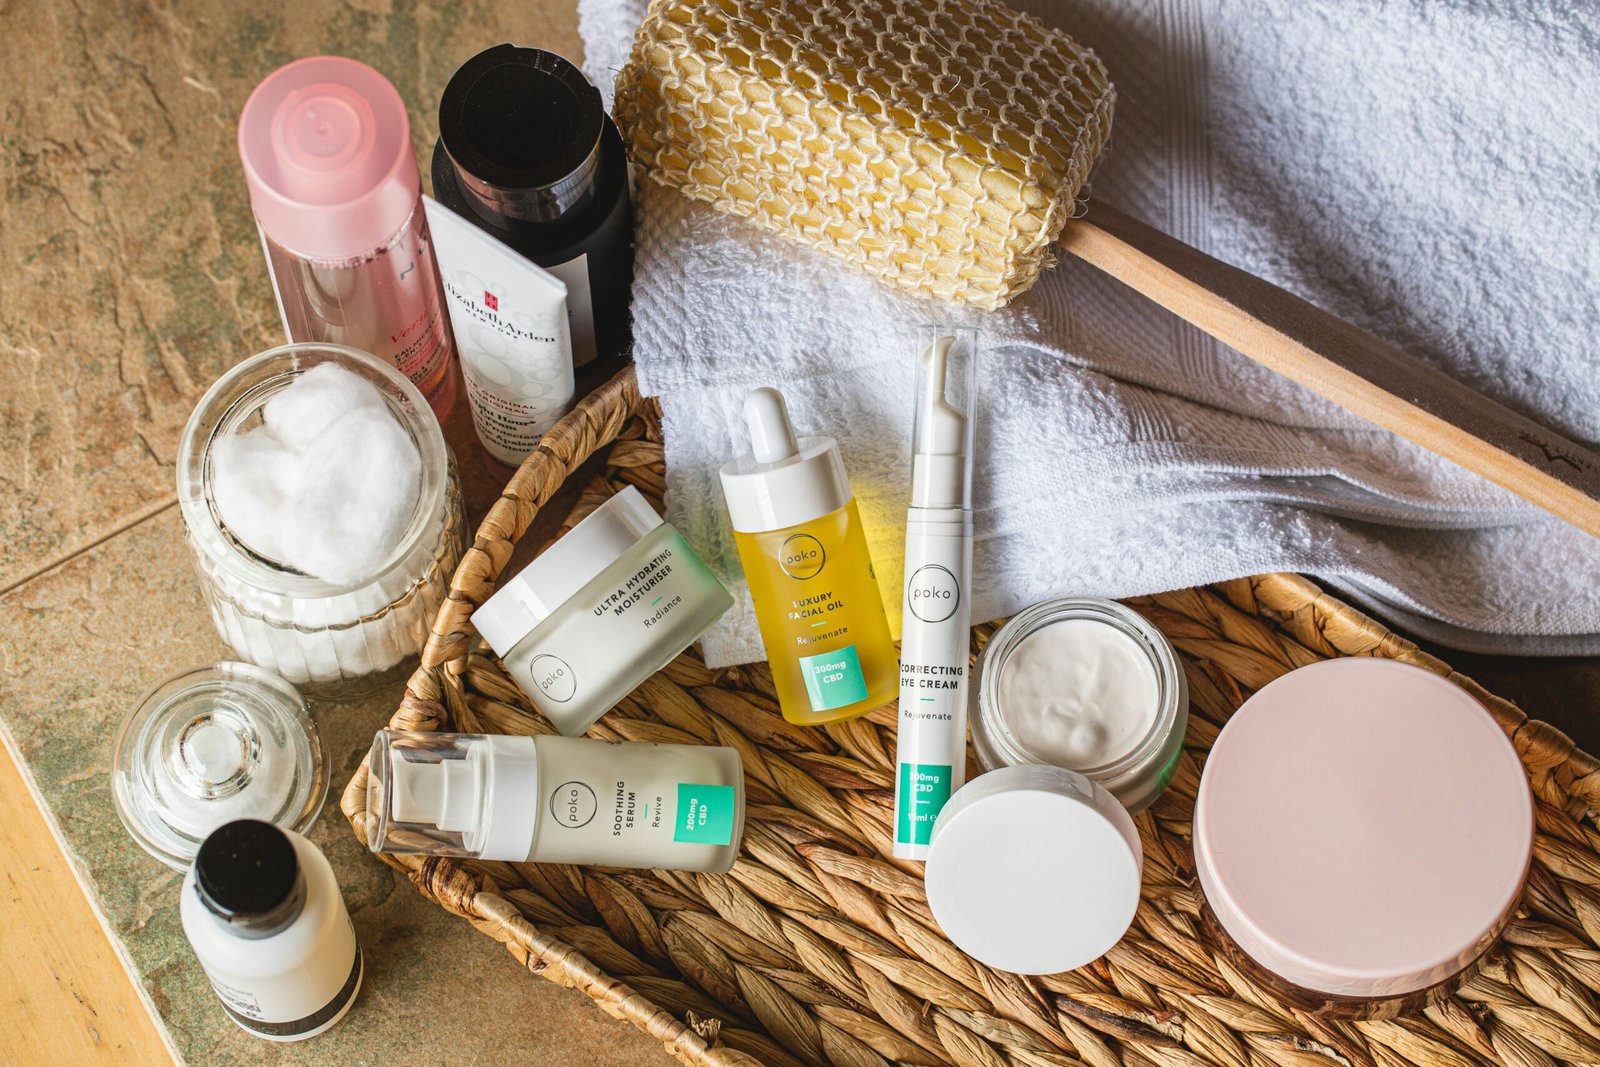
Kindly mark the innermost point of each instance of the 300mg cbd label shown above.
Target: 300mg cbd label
(924, 789)
(833, 679)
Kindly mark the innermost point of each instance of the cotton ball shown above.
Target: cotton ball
(252, 477)
(314, 401)
(355, 499)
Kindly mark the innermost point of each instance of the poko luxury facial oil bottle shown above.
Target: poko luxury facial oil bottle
(805, 556)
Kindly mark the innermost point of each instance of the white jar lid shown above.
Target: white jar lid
(1034, 870)
(565, 567)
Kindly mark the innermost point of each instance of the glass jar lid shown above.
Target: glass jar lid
(211, 746)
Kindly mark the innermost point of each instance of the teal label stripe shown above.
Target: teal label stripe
(833, 679)
(924, 789)
(705, 814)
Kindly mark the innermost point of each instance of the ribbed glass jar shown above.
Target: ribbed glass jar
(333, 640)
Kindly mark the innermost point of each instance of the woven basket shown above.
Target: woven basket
(819, 948)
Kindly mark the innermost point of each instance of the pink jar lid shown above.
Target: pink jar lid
(326, 147)
(1363, 828)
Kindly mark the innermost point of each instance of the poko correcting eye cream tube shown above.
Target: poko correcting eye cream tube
(601, 610)
(931, 750)
(556, 800)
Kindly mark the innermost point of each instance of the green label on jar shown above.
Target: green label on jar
(705, 814)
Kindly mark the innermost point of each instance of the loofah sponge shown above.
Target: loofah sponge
(938, 144)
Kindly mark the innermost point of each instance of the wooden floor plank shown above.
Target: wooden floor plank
(65, 996)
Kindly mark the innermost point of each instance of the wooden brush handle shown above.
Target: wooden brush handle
(1346, 364)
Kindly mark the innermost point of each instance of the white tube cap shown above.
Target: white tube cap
(941, 436)
(783, 481)
(565, 567)
(1034, 870)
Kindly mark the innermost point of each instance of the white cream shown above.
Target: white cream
(1078, 694)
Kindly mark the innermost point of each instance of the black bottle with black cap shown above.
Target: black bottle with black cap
(262, 910)
(527, 153)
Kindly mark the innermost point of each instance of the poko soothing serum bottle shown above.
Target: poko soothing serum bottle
(805, 556)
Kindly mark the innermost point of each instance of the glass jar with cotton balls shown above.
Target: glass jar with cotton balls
(324, 514)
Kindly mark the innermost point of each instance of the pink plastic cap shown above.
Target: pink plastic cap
(1363, 828)
(326, 148)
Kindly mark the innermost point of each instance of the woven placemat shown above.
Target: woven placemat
(819, 947)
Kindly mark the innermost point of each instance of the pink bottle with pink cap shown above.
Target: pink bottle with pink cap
(326, 147)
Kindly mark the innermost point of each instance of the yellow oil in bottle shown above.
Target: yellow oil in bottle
(821, 617)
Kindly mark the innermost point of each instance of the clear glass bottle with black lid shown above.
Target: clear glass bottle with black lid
(527, 153)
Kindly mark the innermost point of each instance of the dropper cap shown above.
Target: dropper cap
(784, 480)
(941, 450)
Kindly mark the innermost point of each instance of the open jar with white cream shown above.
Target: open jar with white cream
(1088, 685)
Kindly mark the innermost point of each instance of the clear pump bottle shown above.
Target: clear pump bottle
(805, 557)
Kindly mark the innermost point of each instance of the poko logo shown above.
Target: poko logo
(573, 804)
(553, 677)
(802, 557)
(933, 593)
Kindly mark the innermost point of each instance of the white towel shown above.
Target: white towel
(1427, 171)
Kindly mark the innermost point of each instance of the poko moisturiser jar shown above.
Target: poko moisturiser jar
(601, 610)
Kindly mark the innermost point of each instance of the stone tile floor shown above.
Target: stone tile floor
(132, 278)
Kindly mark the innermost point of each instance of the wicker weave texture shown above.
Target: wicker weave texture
(938, 144)
(819, 948)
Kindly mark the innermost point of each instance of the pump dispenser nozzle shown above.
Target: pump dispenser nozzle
(452, 794)
(941, 464)
(446, 794)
